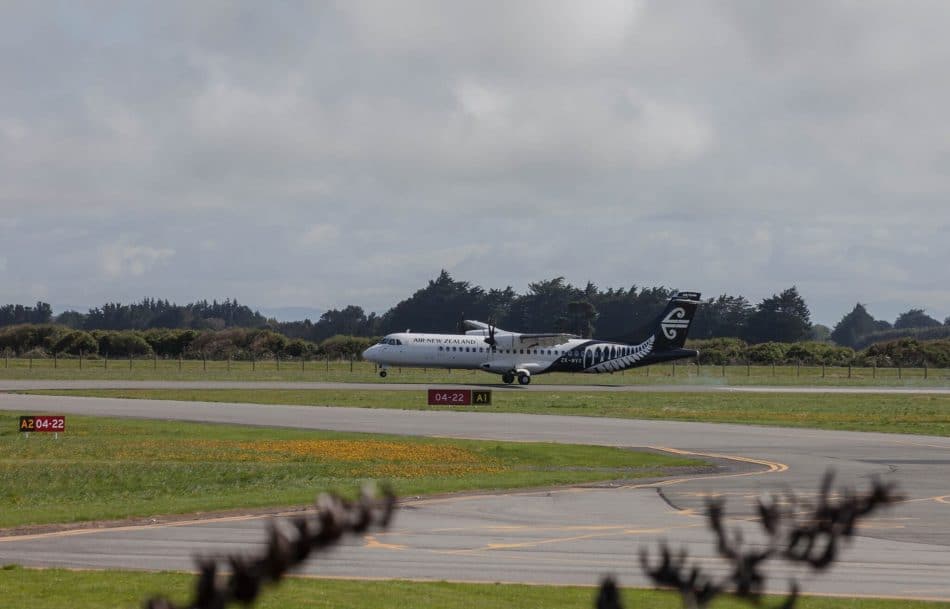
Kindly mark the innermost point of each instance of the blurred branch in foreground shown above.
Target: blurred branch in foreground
(794, 530)
(335, 517)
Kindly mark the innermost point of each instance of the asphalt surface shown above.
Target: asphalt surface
(565, 536)
(537, 385)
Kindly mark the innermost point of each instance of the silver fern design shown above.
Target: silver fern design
(612, 358)
(675, 320)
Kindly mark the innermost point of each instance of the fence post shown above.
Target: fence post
(229, 362)
(648, 370)
(204, 362)
(253, 363)
(899, 377)
(723, 370)
(277, 359)
(179, 362)
(105, 362)
(155, 361)
(773, 368)
(874, 371)
(31, 362)
(925, 371)
(748, 368)
(54, 361)
(80, 359)
(302, 360)
(798, 368)
(822, 371)
(351, 363)
(130, 360)
(849, 370)
(674, 370)
(6, 360)
(328, 362)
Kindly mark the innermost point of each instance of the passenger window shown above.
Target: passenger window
(440, 348)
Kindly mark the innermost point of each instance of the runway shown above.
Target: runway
(564, 536)
(28, 385)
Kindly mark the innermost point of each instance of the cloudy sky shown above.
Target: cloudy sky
(322, 154)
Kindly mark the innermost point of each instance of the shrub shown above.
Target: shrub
(122, 344)
(766, 353)
(76, 342)
(341, 346)
(719, 351)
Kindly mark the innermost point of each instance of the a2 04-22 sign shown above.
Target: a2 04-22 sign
(43, 423)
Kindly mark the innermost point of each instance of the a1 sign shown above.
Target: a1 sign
(43, 423)
(459, 397)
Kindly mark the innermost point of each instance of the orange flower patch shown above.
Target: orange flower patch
(372, 458)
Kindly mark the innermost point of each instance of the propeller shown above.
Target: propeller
(491, 332)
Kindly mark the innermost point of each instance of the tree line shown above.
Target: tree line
(547, 305)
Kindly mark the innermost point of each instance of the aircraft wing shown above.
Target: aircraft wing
(543, 340)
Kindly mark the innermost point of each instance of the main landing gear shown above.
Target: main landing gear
(382, 373)
(523, 378)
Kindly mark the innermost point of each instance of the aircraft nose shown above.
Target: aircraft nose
(369, 354)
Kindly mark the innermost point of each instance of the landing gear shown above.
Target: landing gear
(382, 374)
(524, 379)
(508, 378)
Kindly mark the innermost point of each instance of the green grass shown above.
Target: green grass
(115, 468)
(917, 414)
(342, 371)
(58, 589)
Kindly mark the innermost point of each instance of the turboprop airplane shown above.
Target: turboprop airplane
(516, 355)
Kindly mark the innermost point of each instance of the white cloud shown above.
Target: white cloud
(319, 235)
(765, 145)
(125, 259)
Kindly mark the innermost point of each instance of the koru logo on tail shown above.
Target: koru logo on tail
(675, 320)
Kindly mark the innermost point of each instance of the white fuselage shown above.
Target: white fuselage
(510, 353)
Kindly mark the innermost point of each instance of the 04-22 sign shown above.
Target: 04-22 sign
(459, 397)
(43, 423)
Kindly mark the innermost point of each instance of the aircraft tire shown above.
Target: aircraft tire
(524, 379)
(382, 374)
(508, 378)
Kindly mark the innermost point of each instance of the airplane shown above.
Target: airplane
(516, 355)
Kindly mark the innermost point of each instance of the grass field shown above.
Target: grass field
(114, 468)
(58, 588)
(342, 371)
(918, 414)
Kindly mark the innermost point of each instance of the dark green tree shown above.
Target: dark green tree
(437, 307)
(781, 318)
(853, 326)
(725, 316)
(915, 318)
(582, 315)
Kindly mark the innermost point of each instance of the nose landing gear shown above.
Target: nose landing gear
(382, 373)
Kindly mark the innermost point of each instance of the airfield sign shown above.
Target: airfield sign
(459, 397)
(43, 423)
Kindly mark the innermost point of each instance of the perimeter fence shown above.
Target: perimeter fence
(341, 370)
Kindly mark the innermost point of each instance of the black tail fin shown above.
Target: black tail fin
(672, 325)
